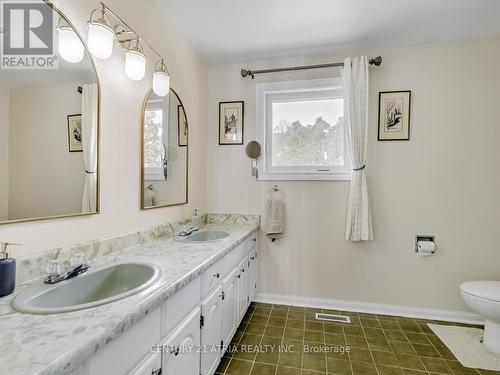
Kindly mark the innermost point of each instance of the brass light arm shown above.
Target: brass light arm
(125, 34)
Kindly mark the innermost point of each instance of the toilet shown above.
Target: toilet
(483, 297)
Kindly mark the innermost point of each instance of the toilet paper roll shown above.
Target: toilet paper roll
(425, 248)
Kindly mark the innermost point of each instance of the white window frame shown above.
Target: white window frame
(293, 90)
(157, 173)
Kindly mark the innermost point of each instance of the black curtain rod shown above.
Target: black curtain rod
(377, 61)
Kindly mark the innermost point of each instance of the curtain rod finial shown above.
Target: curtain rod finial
(245, 73)
(377, 61)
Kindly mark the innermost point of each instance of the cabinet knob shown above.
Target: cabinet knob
(238, 276)
(242, 270)
(156, 371)
(217, 275)
(222, 295)
(252, 257)
(254, 239)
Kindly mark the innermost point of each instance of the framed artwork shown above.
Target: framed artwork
(394, 115)
(231, 116)
(182, 125)
(75, 133)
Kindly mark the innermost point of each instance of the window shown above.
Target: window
(154, 139)
(300, 124)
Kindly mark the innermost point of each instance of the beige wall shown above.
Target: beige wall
(4, 154)
(121, 102)
(445, 181)
(45, 178)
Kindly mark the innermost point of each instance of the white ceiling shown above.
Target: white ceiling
(236, 30)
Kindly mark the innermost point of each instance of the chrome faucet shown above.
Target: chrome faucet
(78, 265)
(187, 230)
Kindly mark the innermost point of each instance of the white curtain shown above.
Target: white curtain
(359, 222)
(89, 143)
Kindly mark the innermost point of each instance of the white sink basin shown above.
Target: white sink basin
(203, 236)
(94, 288)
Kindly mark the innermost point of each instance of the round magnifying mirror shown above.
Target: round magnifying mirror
(253, 150)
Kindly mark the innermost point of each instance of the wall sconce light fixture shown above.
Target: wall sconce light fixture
(104, 27)
(69, 46)
(100, 34)
(161, 79)
(135, 62)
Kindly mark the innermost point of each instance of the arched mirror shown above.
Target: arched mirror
(49, 118)
(164, 167)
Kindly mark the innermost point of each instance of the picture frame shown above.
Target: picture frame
(75, 133)
(182, 127)
(231, 122)
(394, 115)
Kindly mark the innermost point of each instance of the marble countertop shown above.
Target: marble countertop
(57, 343)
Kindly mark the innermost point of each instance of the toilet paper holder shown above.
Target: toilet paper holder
(424, 237)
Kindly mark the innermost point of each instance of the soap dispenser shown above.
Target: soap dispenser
(7, 270)
(195, 219)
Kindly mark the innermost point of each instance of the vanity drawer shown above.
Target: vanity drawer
(130, 347)
(178, 305)
(234, 256)
(213, 276)
(150, 365)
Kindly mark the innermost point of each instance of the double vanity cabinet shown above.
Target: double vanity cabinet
(188, 333)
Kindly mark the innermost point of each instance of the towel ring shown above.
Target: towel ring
(274, 189)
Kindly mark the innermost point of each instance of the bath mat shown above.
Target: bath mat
(465, 344)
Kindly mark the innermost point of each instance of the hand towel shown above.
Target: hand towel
(275, 217)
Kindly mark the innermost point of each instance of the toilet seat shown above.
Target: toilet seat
(489, 290)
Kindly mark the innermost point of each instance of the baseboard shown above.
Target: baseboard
(371, 308)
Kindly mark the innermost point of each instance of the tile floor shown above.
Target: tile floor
(379, 345)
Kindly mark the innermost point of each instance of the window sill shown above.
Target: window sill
(304, 177)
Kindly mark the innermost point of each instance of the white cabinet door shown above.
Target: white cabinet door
(243, 288)
(211, 332)
(230, 306)
(252, 275)
(181, 355)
